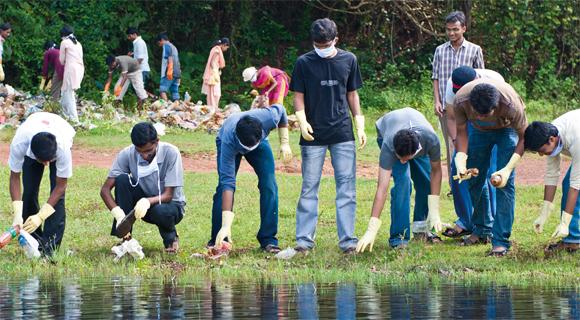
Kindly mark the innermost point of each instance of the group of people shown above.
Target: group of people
(483, 120)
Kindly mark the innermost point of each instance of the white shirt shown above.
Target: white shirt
(568, 126)
(481, 73)
(43, 122)
(140, 52)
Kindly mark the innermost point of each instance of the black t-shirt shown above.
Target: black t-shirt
(325, 83)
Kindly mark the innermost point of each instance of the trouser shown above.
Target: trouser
(479, 152)
(165, 215)
(49, 235)
(449, 146)
(69, 104)
(262, 160)
(213, 96)
(55, 87)
(136, 80)
(171, 86)
(574, 228)
(343, 158)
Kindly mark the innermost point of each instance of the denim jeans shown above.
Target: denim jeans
(479, 153)
(171, 86)
(417, 170)
(574, 236)
(262, 160)
(460, 191)
(343, 158)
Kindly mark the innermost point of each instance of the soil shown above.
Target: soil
(529, 172)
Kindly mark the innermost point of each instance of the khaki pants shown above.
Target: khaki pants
(449, 146)
(136, 80)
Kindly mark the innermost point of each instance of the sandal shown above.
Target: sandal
(173, 248)
(453, 233)
(428, 237)
(469, 241)
(271, 248)
(500, 253)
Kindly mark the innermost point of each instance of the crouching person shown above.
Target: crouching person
(148, 178)
(410, 151)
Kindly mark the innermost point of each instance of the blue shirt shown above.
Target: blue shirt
(229, 145)
(169, 50)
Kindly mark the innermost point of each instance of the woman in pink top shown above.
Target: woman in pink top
(271, 82)
(211, 76)
(71, 56)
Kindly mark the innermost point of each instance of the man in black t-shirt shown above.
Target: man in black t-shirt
(325, 82)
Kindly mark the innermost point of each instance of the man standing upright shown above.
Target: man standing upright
(5, 31)
(170, 68)
(325, 83)
(140, 53)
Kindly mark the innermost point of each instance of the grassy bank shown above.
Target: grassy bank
(86, 247)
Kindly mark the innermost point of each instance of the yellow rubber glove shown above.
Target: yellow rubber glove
(42, 82)
(17, 210)
(369, 237)
(170, 70)
(118, 214)
(562, 228)
(461, 165)
(505, 173)
(48, 85)
(359, 122)
(285, 151)
(141, 208)
(1, 71)
(434, 218)
(118, 90)
(305, 127)
(545, 212)
(33, 222)
(226, 229)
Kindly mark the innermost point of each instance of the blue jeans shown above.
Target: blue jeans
(262, 160)
(462, 200)
(343, 158)
(574, 236)
(171, 86)
(479, 153)
(418, 170)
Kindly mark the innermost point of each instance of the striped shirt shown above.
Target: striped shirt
(446, 59)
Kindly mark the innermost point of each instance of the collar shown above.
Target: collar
(160, 154)
(463, 43)
(137, 39)
(2, 39)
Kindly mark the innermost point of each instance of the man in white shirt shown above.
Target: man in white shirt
(44, 139)
(562, 136)
(139, 52)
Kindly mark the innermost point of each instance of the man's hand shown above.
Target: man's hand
(118, 90)
(285, 150)
(369, 237)
(434, 217)
(506, 171)
(118, 214)
(359, 121)
(226, 229)
(35, 221)
(305, 127)
(461, 165)
(562, 230)
(438, 109)
(545, 212)
(17, 212)
(141, 208)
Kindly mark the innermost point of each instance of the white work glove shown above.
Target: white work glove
(461, 166)
(35, 221)
(141, 208)
(226, 229)
(545, 212)
(305, 127)
(562, 228)
(118, 214)
(369, 237)
(434, 218)
(285, 151)
(17, 211)
(505, 173)
(1, 71)
(359, 122)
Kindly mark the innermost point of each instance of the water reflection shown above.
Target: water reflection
(127, 298)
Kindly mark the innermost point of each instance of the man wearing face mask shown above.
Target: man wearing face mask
(325, 83)
(246, 134)
(44, 139)
(410, 151)
(147, 177)
(562, 136)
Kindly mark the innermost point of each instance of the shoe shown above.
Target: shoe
(428, 237)
(174, 247)
(470, 241)
(271, 248)
(400, 246)
(561, 246)
(350, 251)
(453, 233)
(498, 253)
(302, 250)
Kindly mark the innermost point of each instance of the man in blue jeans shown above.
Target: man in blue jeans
(562, 136)
(170, 68)
(497, 114)
(325, 83)
(410, 151)
(246, 134)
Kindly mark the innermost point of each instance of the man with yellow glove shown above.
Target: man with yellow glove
(245, 134)
(561, 137)
(130, 73)
(148, 178)
(5, 31)
(411, 154)
(497, 115)
(325, 83)
(44, 139)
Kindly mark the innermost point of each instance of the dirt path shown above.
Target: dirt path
(530, 171)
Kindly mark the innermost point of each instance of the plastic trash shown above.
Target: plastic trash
(29, 245)
(132, 247)
(8, 235)
(286, 254)
(160, 128)
(186, 97)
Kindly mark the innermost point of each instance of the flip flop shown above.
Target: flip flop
(500, 253)
(452, 233)
(126, 224)
(467, 241)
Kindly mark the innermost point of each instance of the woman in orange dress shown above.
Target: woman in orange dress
(211, 77)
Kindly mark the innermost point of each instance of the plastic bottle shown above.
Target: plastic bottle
(29, 245)
(10, 234)
(186, 97)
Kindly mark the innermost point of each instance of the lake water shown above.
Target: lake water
(133, 298)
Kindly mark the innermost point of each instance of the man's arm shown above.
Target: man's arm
(15, 190)
(353, 102)
(520, 146)
(436, 177)
(381, 193)
(106, 193)
(437, 103)
(298, 101)
(58, 191)
(451, 126)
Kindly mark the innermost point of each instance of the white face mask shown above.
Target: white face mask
(147, 170)
(558, 148)
(250, 148)
(326, 52)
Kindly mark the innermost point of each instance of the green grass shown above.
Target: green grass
(86, 247)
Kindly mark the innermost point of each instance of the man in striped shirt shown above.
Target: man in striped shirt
(452, 54)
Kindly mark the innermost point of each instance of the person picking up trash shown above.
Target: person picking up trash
(273, 83)
(130, 70)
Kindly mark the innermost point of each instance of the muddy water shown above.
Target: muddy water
(133, 298)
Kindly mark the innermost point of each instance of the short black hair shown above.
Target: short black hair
(249, 131)
(66, 31)
(5, 26)
(323, 30)
(132, 30)
(162, 36)
(143, 133)
(49, 45)
(406, 142)
(456, 16)
(43, 146)
(537, 134)
(110, 59)
(484, 97)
